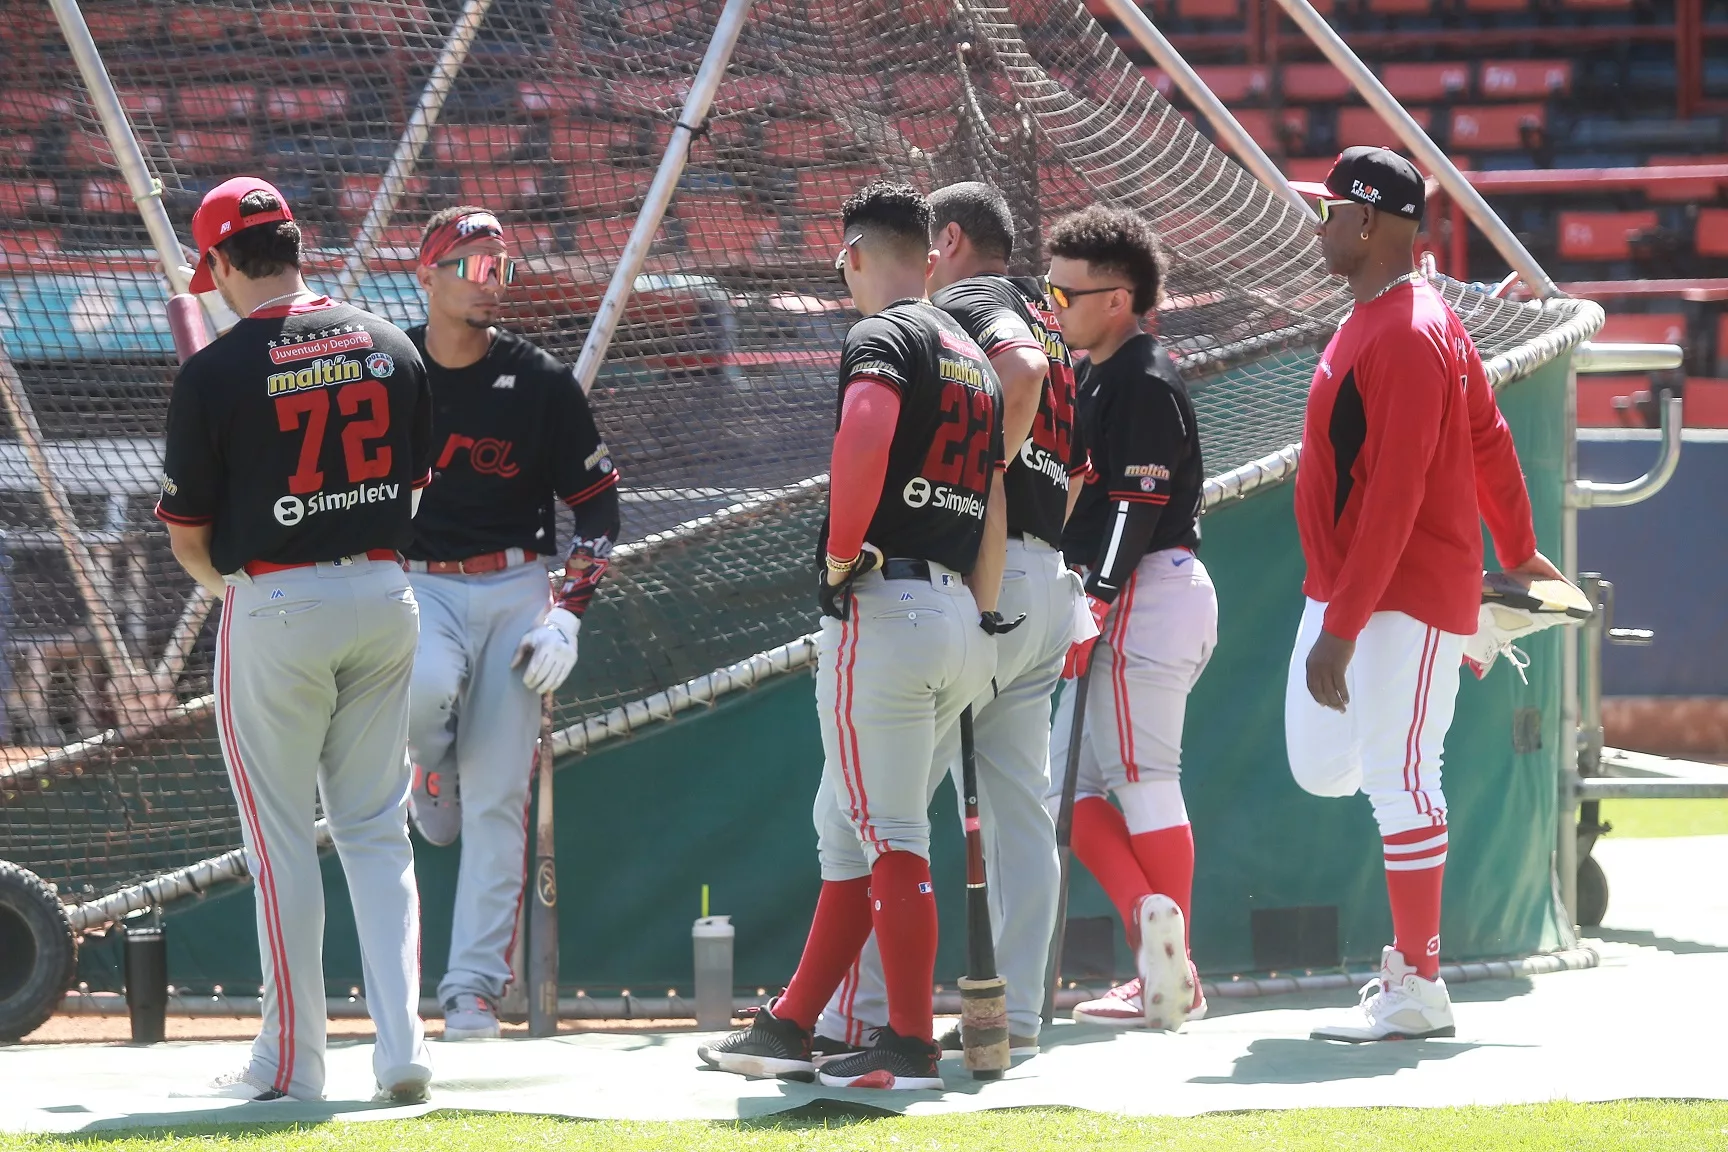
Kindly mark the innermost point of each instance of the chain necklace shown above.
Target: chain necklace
(285, 296)
(1408, 278)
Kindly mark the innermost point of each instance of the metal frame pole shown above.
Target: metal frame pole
(1248, 153)
(702, 89)
(1566, 832)
(1427, 153)
(145, 188)
(414, 137)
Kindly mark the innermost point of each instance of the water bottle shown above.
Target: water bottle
(711, 937)
(146, 963)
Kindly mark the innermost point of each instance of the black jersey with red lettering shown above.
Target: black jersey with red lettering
(1136, 435)
(948, 439)
(298, 436)
(511, 433)
(1002, 312)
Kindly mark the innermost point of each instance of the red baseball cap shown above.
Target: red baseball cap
(218, 217)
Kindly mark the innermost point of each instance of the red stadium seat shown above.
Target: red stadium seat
(804, 141)
(1310, 169)
(1159, 79)
(16, 148)
(20, 109)
(193, 25)
(1596, 397)
(1494, 127)
(459, 144)
(86, 149)
(1712, 235)
(19, 250)
(119, 25)
(1233, 83)
(399, 241)
(1400, 7)
(1601, 235)
(1684, 191)
(107, 196)
(720, 232)
(1526, 79)
(1364, 126)
(821, 237)
(393, 21)
(21, 197)
(1315, 84)
(821, 190)
(289, 20)
(604, 188)
(1706, 403)
(1209, 9)
(749, 94)
(1595, 5)
(215, 102)
(306, 105)
(146, 102)
(212, 147)
(1426, 82)
(1265, 131)
(1496, 5)
(927, 91)
(353, 194)
(583, 142)
(602, 240)
(1644, 328)
(926, 130)
(561, 97)
(651, 18)
(510, 186)
(533, 238)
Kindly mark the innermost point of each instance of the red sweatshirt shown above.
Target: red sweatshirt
(1403, 453)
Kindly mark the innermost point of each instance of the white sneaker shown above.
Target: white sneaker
(235, 1086)
(470, 1017)
(435, 807)
(1513, 609)
(1400, 1005)
(410, 1084)
(1167, 987)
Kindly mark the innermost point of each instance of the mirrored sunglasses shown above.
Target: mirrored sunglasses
(1065, 297)
(479, 269)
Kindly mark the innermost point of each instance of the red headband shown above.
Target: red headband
(473, 226)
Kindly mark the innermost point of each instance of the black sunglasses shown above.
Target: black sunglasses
(1065, 297)
(840, 261)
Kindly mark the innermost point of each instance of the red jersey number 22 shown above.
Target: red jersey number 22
(312, 408)
(960, 453)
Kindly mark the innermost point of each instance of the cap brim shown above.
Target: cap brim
(1313, 188)
(202, 281)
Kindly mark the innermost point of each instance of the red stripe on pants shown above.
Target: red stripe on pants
(1119, 679)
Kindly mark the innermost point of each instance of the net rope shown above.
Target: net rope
(717, 392)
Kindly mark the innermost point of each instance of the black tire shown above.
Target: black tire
(38, 952)
(1592, 893)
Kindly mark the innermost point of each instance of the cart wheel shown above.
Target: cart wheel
(38, 952)
(1592, 893)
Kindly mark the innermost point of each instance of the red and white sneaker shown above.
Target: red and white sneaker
(1118, 1008)
(1168, 988)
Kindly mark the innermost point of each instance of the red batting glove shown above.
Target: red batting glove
(1079, 656)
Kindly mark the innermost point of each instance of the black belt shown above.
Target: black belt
(900, 568)
(1017, 534)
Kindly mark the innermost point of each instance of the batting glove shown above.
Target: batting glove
(550, 651)
(1087, 631)
(835, 598)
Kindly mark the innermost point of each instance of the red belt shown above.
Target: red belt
(265, 567)
(473, 566)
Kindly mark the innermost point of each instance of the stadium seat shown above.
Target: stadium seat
(602, 240)
(1288, 133)
(110, 197)
(604, 188)
(582, 142)
(655, 18)
(927, 91)
(392, 21)
(212, 147)
(719, 232)
(86, 149)
(648, 96)
(459, 144)
(306, 105)
(1706, 403)
(400, 241)
(561, 97)
(1496, 5)
(1644, 328)
(1364, 126)
(1315, 84)
(821, 190)
(1423, 83)
(19, 250)
(1494, 127)
(1159, 79)
(1400, 7)
(1209, 9)
(198, 25)
(1711, 238)
(796, 142)
(148, 103)
(754, 94)
(119, 25)
(285, 21)
(508, 186)
(820, 238)
(19, 198)
(24, 109)
(1685, 191)
(1595, 5)
(926, 130)
(1601, 235)
(1312, 169)
(211, 103)
(16, 148)
(533, 237)
(1523, 79)
(1234, 83)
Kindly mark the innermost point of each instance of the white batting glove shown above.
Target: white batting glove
(550, 651)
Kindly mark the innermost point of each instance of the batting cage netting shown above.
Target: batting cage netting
(716, 394)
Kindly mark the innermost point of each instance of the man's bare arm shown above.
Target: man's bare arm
(191, 544)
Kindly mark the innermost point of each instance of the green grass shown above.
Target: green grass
(1626, 1126)
(1640, 818)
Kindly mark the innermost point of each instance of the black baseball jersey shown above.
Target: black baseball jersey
(1136, 436)
(1002, 312)
(510, 433)
(947, 441)
(298, 435)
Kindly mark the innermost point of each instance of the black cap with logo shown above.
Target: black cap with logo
(1377, 177)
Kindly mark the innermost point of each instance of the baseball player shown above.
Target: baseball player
(296, 445)
(972, 231)
(911, 553)
(1403, 453)
(1134, 530)
(511, 431)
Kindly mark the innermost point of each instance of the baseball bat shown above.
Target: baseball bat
(1064, 838)
(543, 913)
(983, 993)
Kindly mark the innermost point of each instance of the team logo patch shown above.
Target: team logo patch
(381, 364)
(277, 594)
(350, 340)
(290, 510)
(1147, 484)
(1156, 471)
(917, 492)
(925, 888)
(905, 596)
(598, 458)
(504, 382)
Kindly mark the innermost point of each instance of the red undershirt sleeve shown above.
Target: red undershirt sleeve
(867, 420)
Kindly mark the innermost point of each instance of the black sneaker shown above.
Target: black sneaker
(893, 1061)
(826, 1048)
(769, 1047)
(1017, 1045)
